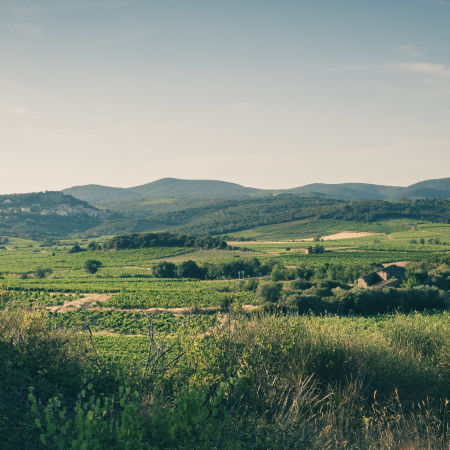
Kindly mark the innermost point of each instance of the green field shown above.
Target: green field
(323, 362)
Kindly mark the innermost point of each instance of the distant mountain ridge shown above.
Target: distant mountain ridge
(173, 188)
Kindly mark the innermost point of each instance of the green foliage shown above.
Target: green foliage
(95, 422)
(269, 291)
(266, 383)
(280, 273)
(42, 273)
(33, 354)
(92, 265)
(27, 300)
(190, 269)
(220, 373)
(77, 249)
(128, 322)
(366, 301)
(145, 240)
(164, 269)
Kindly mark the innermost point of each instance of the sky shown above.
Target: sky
(265, 93)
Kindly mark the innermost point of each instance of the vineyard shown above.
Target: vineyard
(205, 327)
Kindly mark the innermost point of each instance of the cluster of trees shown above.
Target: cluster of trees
(145, 240)
(345, 273)
(327, 289)
(333, 297)
(422, 241)
(241, 268)
(367, 301)
(429, 274)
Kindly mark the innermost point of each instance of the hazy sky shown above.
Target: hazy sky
(270, 94)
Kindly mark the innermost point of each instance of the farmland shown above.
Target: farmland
(260, 313)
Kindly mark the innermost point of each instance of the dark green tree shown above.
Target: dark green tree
(165, 269)
(92, 265)
(76, 249)
(190, 269)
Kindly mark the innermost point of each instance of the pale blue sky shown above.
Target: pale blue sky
(271, 94)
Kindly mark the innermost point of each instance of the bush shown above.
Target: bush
(250, 285)
(299, 284)
(280, 273)
(269, 291)
(305, 303)
(33, 354)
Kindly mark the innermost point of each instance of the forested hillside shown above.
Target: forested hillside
(56, 214)
(45, 214)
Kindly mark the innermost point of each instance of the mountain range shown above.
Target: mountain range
(209, 207)
(173, 189)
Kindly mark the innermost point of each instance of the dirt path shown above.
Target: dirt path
(85, 302)
(176, 311)
(89, 302)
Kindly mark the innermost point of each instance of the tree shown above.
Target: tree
(76, 249)
(93, 245)
(42, 273)
(319, 248)
(165, 269)
(92, 265)
(190, 269)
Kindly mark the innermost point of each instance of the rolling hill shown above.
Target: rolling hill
(174, 189)
(163, 189)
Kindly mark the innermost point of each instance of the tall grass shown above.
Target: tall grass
(327, 383)
(256, 383)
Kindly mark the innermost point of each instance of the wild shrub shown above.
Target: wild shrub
(269, 291)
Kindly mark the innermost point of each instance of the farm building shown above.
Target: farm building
(388, 276)
(392, 271)
(369, 280)
(315, 250)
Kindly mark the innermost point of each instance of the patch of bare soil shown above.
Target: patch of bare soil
(238, 243)
(112, 333)
(85, 302)
(347, 235)
(398, 263)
